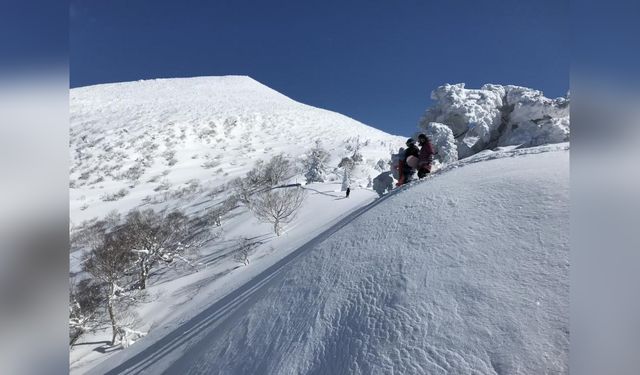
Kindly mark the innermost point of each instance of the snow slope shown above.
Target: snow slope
(177, 143)
(157, 140)
(465, 272)
(178, 295)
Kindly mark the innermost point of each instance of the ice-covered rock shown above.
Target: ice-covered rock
(383, 183)
(534, 119)
(443, 141)
(497, 115)
(473, 115)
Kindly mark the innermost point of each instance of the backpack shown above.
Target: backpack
(395, 163)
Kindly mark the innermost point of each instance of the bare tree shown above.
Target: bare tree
(85, 300)
(277, 170)
(245, 247)
(110, 265)
(278, 206)
(242, 190)
(255, 177)
(229, 204)
(262, 176)
(155, 238)
(91, 235)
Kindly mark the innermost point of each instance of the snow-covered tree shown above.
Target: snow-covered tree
(315, 164)
(346, 181)
(278, 206)
(356, 157)
(348, 165)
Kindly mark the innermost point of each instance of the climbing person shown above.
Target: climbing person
(425, 157)
(408, 163)
(348, 191)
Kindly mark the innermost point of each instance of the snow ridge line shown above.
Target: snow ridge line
(481, 156)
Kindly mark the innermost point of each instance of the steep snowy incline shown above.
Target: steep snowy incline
(466, 272)
(150, 141)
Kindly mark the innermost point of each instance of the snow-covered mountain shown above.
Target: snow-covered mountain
(465, 272)
(176, 143)
(154, 140)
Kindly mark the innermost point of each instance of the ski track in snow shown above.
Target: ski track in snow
(176, 144)
(466, 272)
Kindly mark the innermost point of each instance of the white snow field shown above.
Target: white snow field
(179, 294)
(347, 307)
(176, 143)
(159, 140)
(465, 272)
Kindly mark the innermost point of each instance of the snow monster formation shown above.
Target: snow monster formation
(442, 139)
(493, 116)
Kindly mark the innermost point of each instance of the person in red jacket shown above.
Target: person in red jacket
(405, 170)
(425, 157)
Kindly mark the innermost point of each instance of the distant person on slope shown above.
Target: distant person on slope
(426, 156)
(348, 191)
(407, 164)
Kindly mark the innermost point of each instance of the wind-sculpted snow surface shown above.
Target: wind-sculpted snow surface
(465, 272)
(497, 115)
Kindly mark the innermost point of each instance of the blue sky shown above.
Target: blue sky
(376, 61)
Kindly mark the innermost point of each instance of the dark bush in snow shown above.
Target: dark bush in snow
(115, 196)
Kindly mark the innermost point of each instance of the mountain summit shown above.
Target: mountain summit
(130, 139)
